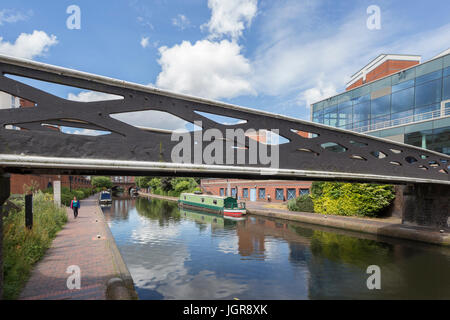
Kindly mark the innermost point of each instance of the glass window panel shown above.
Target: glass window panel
(344, 97)
(331, 109)
(363, 125)
(361, 112)
(361, 99)
(279, 194)
(447, 72)
(291, 194)
(380, 119)
(345, 117)
(403, 76)
(428, 93)
(429, 76)
(360, 91)
(380, 106)
(419, 112)
(345, 104)
(419, 138)
(447, 61)
(401, 115)
(428, 67)
(403, 100)
(380, 84)
(403, 85)
(392, 132)
(446, 87)
(262, 193)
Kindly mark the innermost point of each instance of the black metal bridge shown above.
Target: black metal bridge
(311, 151)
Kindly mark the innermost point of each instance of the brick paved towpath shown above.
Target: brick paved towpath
(77, 244)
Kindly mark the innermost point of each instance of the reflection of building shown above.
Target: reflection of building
(122, 179)
(396, 98)
(252, 235)
(256, 190)
(20, 183)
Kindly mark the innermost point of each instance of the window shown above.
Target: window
(428, 93)
(381, 106)
(403, 100)
(446, 93)
(361, 112)
(214, 201)
(304, 191)
(233, 192)
(222, 192)
(203, 199)
(403, 85)
(291, 194)
(428, 77)
(245, 193)
(279, 194)
(262, 193)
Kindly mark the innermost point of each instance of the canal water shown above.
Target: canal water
(177, 254)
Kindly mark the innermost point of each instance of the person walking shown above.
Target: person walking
(75, 205)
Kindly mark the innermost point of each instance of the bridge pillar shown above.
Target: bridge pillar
(4, 195)
(426, 205)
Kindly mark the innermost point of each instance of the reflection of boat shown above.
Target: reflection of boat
(226, 206)
(105, 198)
(203, 217)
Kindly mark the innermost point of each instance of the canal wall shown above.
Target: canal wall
(390, 228)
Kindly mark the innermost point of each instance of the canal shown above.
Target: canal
(177, 254)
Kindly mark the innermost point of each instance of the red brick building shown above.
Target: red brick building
(382, 66)
(20, 183)
(256, 190)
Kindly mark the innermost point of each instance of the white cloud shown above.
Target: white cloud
(12, 16)
(181, 21)
(207, 69)
(144, 42)
(319, 92)
(229, 18)
(90, 96)
(27, 45)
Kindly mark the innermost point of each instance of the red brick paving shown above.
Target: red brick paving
(76, 244)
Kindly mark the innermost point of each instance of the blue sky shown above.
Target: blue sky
(277, 56)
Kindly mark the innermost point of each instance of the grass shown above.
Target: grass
(22, 248)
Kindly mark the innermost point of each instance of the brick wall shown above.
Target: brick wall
(213, 186)
(386, 68)
(19, 182)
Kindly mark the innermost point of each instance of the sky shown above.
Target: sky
(279, 56)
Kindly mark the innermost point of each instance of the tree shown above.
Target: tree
(102, 182)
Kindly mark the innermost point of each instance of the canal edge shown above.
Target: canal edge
(122, 286)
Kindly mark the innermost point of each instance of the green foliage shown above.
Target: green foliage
(102, 182)
(166, 186)
(353, 199)
(302, 203)
(22, 248)
(317, 189)
(351, 250)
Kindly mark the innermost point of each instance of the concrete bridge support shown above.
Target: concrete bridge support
(4, 195)
(426, 205)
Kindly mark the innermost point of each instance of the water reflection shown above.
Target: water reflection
(183, 254)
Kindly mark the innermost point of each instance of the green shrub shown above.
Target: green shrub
(302, 203)
(23, 247)
(353, 199)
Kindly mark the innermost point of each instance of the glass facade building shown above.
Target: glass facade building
(411, 106)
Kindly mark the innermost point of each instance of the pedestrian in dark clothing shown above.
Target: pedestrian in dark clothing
(75, 205)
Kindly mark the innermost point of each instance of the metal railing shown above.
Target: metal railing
(402, 121)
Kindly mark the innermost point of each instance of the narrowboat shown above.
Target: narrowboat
(105, 197)
(226, 206)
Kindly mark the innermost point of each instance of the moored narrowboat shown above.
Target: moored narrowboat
(227, 206)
